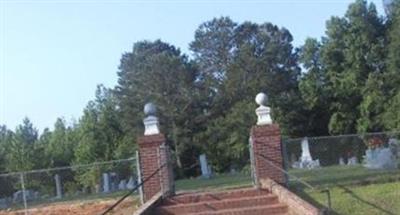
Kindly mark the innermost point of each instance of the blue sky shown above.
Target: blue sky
(54, 53)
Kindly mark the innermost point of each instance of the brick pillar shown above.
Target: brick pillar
(266, 146)
(154, 153)
(266, 152)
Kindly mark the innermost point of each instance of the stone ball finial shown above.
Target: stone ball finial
(262, 99)
(150, 109)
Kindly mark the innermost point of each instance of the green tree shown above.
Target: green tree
(353, 48)
(59, 148)
(392, 78)
(242, 60)
(6, 188)
(99, 136)
(372, 106)
(313, 88)
(158, 72)
(20, 150)
(41, 147)
(5, 138)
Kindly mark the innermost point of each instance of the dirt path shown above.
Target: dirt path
(94, 207)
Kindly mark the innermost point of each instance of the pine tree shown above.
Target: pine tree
(20, 151)
(157, 72)
(353, 49)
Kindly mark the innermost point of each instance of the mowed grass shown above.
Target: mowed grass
(373, 199)
(345, 175)
(217, 182)
(354, 189)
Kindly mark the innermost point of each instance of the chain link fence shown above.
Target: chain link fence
(211, 177)
(37, 191)
(372, 151)
(353, 167)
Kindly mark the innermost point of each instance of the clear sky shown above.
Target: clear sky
(54, 53)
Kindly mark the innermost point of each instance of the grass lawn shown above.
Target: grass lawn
(217, 182)
(373, 199)
(354, 189)
(346, 175)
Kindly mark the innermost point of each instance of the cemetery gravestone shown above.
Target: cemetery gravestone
(205, 170)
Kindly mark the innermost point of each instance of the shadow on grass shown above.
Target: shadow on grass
(352, 194)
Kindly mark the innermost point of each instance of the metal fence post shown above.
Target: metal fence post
(139, 174)
(21, 175)
(161, 170)
(252, 163)
(286, 164)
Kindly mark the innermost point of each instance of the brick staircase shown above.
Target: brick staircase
(236, 202)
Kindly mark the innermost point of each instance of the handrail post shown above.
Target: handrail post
(23, 192)
(327, 191)
(328, 200)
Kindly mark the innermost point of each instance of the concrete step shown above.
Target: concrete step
(211, 196)
(217, 205)
(275, 209)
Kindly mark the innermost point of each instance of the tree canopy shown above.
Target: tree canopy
(344, 82)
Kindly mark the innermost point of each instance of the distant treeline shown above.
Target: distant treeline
(345, 82)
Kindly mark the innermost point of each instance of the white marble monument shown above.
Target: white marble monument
(341, 161)
(382, 157)
(306, 161)
(106, 183)
(58, 186)
(205, 168)
(352, 161)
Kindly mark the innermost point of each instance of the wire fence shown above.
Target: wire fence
(316, 162)
(35, 190)
(211, 178)
(371, 150)
(341, 163)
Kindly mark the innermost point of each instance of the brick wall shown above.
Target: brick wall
(297, 206)
(148, 207)
(266, 142)
(153, 153)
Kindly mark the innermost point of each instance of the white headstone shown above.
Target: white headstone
(58, 186)
(106, 183)
(394, 146)
(380, 158)
(352, 161)
(122, 185)
(3, 203)
(305, 151)
(131, 183)
(341, 161)
(204, 166)
(306, 160)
